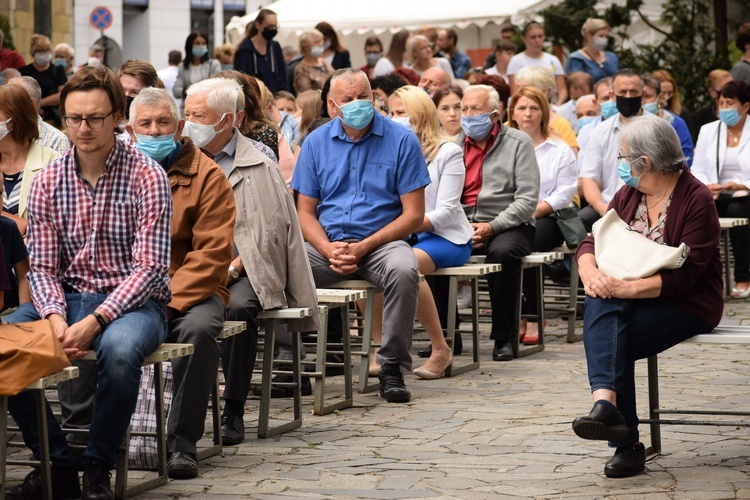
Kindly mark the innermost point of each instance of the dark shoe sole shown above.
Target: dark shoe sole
(396, 397)
(619, 473)
(182, 473)
(597, 431)
(227, 441)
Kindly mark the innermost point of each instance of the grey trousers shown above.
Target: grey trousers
(194, 375)
(392, 268)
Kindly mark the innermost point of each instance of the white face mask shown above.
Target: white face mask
(94, 61)
(4, 129)
(317, 50)
(403, 120)
(200, 133)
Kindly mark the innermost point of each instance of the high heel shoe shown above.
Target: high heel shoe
(426, 374)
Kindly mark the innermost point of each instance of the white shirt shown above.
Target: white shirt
(383, 67)
(442, 197)
(521, 60)
(583, 138)
(493, 71)
(168, 76)
(600, 161)
(710, 161)
(568, 111)
(732, 169)
(558, 173)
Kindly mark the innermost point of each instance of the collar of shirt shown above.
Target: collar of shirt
(228, 150)
(377, 127)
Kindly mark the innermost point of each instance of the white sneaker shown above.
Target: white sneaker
(464, 296)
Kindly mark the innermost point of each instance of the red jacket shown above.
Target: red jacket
(697, 286)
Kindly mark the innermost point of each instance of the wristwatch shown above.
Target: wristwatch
(100, 320)
(233, 273)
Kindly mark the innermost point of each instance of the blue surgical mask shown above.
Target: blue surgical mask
(357, 114)
(609, 109)
(651, 107)
(158, 147)
(477, 127)
(730, 116)
(227, 67)
(200, 50)
(60, 61)
(623, 168)
(585, 120)
(403, 120)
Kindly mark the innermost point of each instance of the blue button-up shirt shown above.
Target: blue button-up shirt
(359, 184)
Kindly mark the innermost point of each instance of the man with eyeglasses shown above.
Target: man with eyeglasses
(99, 240)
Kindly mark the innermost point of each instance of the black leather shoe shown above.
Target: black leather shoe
(457, 350)
(65, 485)
(182, 465)
(392, 386)
(627, 461)
(96, 483)
(286, 392)
(232, 428)
(503, 352)
(604, 423)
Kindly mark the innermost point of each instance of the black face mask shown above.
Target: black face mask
(628, 106)
(128, 102)
(269, 34)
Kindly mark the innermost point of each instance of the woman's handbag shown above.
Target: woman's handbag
(625, 254)
(28, 351)
(570, 226)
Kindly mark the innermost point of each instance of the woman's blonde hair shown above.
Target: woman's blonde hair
(310, 106)
(40, 43)
(424, 117)
(307, 39)
(538, 97)
(592, 25)
(411, 46)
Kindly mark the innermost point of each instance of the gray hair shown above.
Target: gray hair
(31, 86)
(651, 136)
(153, 96)
(223, 95)
(70, 50)
(537, 76)
(350, 75)
(491, 93)
(650, 80)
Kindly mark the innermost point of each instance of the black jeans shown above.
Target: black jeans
(739, 236)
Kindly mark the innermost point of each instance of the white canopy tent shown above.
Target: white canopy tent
(475, 21)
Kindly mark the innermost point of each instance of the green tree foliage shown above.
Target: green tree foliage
(687, 51)
(5, 26)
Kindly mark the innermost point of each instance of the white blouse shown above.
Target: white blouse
(442, 197)
(558, 173)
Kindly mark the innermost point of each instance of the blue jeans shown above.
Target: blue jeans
(120, 351)
(618, 332)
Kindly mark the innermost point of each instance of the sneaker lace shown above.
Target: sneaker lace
(229, 418)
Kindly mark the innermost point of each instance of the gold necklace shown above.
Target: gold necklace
(734, 137)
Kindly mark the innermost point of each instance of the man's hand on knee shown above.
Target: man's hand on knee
(341, 257)
(78, 337)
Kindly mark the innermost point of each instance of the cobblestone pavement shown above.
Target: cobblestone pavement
(501, 431)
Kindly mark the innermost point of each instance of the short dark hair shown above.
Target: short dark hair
(373, 40)
(143, 71)
(627, 73)
(736, 89)
(388, 83)
(505, 46)
(451, 35)
(16, 103)
(580, 78)
(175, 56)
(507, 27)
(743, 36)
(95, 77)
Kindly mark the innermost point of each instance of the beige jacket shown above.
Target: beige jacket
(268, 236)
(38, 158)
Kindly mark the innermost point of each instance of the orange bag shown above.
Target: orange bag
(28, 351)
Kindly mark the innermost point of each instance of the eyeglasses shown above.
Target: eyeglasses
(91, 121)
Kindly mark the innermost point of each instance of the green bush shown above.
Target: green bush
(5, 26)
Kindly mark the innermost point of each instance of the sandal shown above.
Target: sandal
(740, 293)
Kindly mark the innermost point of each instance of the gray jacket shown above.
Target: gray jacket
(268, 236)
(510, 182)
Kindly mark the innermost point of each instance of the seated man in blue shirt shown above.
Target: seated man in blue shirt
(360, 185)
